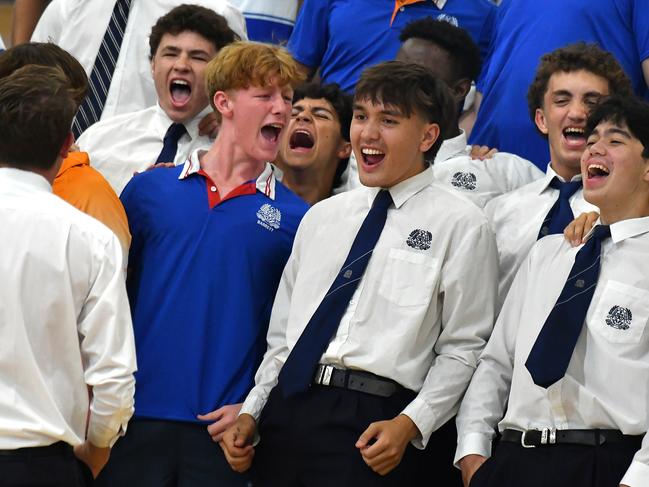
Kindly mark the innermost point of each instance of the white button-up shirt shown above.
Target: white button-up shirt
(129, 143)
(64, 321)
(516, 219)
(78, 26)
(422, 311)
(481, 181)
(606, 385)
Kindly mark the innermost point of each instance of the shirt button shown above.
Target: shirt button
(352, 302)
(213, 189)
(402, 9)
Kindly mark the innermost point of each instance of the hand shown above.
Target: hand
(223, 418)
(236, 443)
(392, 438)
(579, 228)
(469, 466)
(94, 457)
(155, 166)
(209, 125)
(482, 152)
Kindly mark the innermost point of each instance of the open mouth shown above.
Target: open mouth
(181, 92)
(372, 156)
(301, 139)
(598, 171)
(574, 136)
(271, 132)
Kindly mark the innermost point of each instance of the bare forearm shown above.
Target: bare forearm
(25, 17)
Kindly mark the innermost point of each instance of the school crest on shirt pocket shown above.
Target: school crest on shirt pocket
(269, 217)
(419, 239)
(464, 180)
(621, 312)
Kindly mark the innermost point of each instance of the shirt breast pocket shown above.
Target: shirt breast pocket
(621, 313)
(408, 278)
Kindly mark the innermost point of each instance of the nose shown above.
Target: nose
(370, 130)
(577, 111)
(598, 148)
(182, 62)
(279, 105)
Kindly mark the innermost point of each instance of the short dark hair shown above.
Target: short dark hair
(36, 112)
(46, 54)
(623, 110)
(341, 103)
(463, 52)
(339, 100)
(411, 89)
(577, 57)
(194, 18)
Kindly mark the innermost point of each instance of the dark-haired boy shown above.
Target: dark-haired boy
(66, 328)
(182, 42)
(569, 82)
(367, 359)
(316, 148)
(568, 362)
(452, 56)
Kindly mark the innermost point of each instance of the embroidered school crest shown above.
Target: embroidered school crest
(269, 217)
(420, 239)
(464, 180)
(619, 318)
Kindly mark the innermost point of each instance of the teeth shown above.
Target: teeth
(276, 125)
(574, 130)
(180, 82)
(300, 131)
(602, 168)
(371, 152)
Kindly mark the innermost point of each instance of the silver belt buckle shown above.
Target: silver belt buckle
(523, 444)
(323, 374)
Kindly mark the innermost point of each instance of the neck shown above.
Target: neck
(565, 172)
(614, 212)
(310, 185)
(228, 165)
(453, 132)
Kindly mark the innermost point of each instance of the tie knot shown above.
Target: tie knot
(566, 190)
(383, 199)
(175, 132)
(601, 232)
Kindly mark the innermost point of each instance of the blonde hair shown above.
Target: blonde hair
(244, 64)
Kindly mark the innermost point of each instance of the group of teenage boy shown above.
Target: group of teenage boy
(333, 346)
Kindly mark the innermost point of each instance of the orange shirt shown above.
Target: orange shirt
(86, 189)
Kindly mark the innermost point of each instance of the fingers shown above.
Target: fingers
(579, 228)
(482, 152)
(240, 459)
(369, 434)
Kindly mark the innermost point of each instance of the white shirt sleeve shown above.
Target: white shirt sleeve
(484, 404)
(108, 349)
(467, 322)
(51, 24)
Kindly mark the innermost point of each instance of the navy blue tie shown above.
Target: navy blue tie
(550, 355)
(298, 371)
(102, 71)
(560, 214)
(170, 142)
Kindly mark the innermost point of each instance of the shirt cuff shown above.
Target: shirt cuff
(636, 475)
(424, 418)
(104, 435)
(472, 444)
(253, 406)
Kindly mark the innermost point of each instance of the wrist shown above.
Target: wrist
(409, 428)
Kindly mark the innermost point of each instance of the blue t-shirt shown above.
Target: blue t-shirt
(201, 286)
(343, 37)
(525, 30)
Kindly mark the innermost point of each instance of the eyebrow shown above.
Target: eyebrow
(613, 131)
(301, 108)
(387, 111)
(193, 52)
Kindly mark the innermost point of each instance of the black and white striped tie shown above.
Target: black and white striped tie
(102, 71)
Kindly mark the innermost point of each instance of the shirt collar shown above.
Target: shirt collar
(625, 229)
(163, 122)
(265, 182)
(452, 147)
(550, 174)
(403, 191)
(398, 4)
(26, 178)
(74, 159)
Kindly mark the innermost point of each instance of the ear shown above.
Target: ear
(223, 104)
(344, 149)
(430, 135)
(152, 65)
(461, 88)
(65, 147)
(539, 119)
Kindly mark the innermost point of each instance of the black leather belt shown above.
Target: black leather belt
(355, 380)
(59, 448)
(550, 436)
